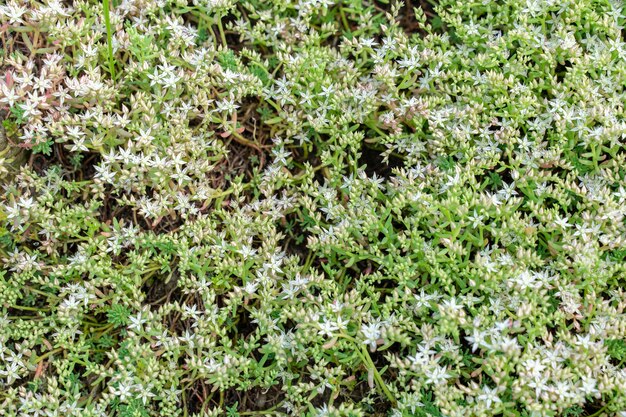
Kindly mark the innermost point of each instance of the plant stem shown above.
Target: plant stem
(45, 355)
(107, 23)
(344, 20)
(222, 34)
(369, 364)
(377, 375)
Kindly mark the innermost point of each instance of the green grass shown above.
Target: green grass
(106, 10)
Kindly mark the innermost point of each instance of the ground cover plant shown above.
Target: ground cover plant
(312, 207)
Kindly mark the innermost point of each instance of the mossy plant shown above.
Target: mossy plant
(313, 207)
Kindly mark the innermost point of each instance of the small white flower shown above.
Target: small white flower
(489, 396)
(123, 391)
(136, 322)
(371, 333)
(437, 375)
(327, 328)
(14, 12)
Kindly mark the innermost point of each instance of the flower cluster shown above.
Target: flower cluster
(313, 207)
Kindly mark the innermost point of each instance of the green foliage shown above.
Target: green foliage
(227, 60)
(44, 148)
(313, 207)
(574, 411)
(118, 315)
(18, 113)
(616, 349)
(134, 409)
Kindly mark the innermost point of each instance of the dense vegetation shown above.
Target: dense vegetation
(312, 207)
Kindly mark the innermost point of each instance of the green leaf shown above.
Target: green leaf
(616, 348)
(118, 315)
